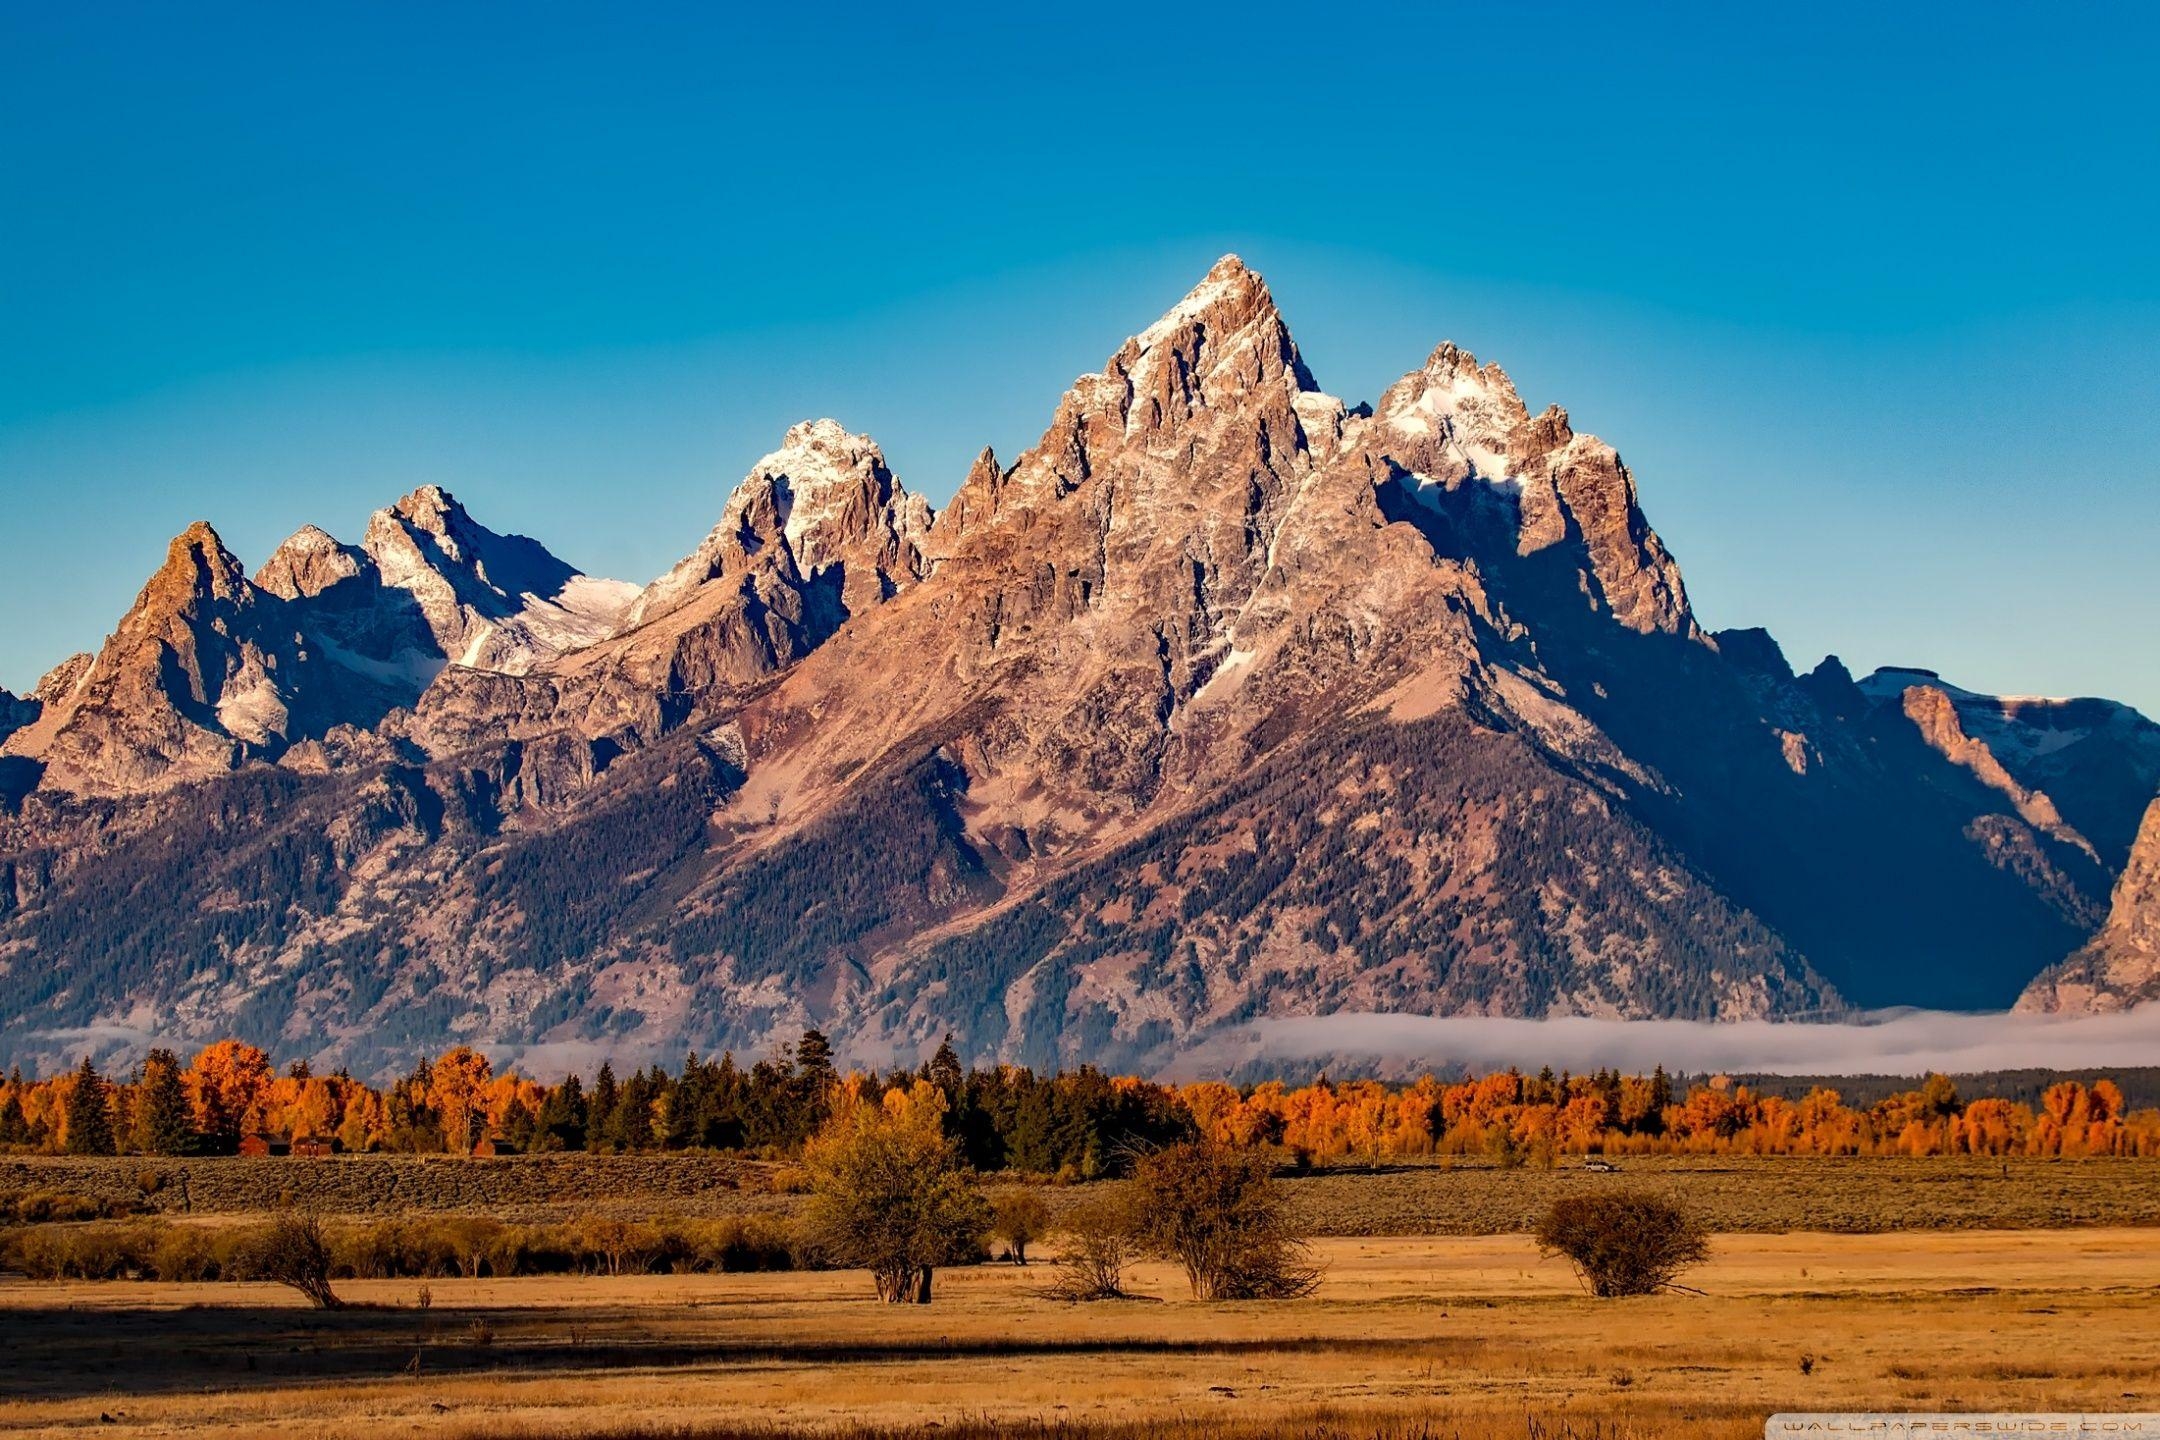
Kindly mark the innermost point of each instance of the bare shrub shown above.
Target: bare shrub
(1019, 1219)
(294, 1249)
(1095, 1246)
(1218, 1213)
(472, 1242)
(618, 1247)
(1623, 1242)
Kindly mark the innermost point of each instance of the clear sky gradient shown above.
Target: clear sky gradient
(1870, 301)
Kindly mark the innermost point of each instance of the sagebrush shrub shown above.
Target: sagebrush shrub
(1623, 1242)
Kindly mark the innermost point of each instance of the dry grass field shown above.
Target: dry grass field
(1408, 1337)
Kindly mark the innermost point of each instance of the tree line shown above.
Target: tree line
(1081, 1124)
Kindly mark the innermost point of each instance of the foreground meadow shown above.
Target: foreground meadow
(1464, 1335)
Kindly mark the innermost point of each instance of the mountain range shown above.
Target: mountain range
(1225, 700)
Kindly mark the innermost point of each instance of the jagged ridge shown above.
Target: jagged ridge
(1223, 699)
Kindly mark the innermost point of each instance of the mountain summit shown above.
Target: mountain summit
(1223, 700)
(211, 669)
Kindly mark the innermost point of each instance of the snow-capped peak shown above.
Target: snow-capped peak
(489, 601)
(819, 468)
(825, 497)
(1459, 406)
(1229, 281)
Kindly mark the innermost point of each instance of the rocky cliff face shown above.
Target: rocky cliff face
(197, 677)
(2121, 966)
(16, 711)
(485, 601)
(1223, 700)
(818, 533)
(1457, 432)
(2091, 762)
(210, 669)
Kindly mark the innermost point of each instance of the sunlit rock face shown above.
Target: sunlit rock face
(1225, 699)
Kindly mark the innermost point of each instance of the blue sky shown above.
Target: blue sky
(1868, 300)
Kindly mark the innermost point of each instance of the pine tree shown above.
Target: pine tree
(687, 1104)
(813, 1056)
(164, 1123)
(629, 1124)
(945, 1070)
(89, 1121)
(14, 1125)
(606, 1095)
(518, 1128)
(560, 1124)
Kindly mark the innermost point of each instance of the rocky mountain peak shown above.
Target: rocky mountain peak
(1470, 449)
(1229, 300)
(197, 569)
(431, 508)
(825, 500)
(401, 537)
(487, 601)
(1214, 386)
(1223, 341)
(1453, 418)
(830, 491)
(191, 679)
(308, 563)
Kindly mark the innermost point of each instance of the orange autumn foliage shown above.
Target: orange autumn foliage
(457, 1099)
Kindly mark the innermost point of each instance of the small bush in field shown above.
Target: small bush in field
(1218, 1212)
(1623, 1242)
(1095, 1246)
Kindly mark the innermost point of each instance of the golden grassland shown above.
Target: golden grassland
(1473, 1197)
(1470, 1336)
